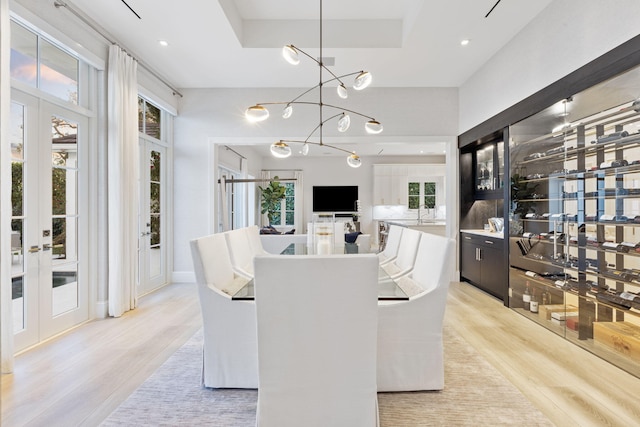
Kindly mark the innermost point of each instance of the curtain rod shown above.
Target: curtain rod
(234, 151)
(102, 32)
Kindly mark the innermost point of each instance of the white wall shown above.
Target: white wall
(565, 36)
(209, 117)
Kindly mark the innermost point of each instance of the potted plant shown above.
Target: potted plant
(272, 195)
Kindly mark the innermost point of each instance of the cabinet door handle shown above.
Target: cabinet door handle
(479, 254)
(488, 242)
(467, 237)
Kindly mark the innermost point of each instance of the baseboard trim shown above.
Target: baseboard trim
(183, 277)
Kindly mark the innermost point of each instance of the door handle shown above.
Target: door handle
(34, 249)
(46, 247)
(145, 234)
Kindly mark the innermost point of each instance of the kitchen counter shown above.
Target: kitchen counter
(433, 226)
(481, 232)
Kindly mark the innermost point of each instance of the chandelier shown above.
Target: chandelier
(281, 148)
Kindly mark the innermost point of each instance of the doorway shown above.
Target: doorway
(49, 226)
(152, 271)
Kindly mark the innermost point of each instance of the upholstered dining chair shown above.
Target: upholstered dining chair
(230, 352)
(241, 251)
(317, 328)
(390, 251)
(255, 243)
(404, 262)
(410, 347)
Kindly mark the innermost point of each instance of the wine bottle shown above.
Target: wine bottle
(545, 297)
(533, 304)
(526, 297)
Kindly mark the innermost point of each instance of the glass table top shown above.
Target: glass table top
(388, 289)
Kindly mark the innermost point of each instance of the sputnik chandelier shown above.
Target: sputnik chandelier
(281, 149)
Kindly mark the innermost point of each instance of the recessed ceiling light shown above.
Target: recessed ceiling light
(163, 43)
(464, 42)
(421, 151)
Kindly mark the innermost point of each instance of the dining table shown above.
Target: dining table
(388, 288)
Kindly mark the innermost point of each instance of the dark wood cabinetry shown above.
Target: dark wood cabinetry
(482, 263)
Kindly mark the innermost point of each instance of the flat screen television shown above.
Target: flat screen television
(336, 198)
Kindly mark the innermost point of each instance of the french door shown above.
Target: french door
(152, 267)
(49, 199)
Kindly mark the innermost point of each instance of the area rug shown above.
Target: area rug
(475, 394)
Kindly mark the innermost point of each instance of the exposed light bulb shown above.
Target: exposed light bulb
(290, 53)
(344, 123)
(464, 42)
(257, 113)
(342, 91)
(362, 80)
(287, 112)
(373, 127)
(280, 150)
(354, 160)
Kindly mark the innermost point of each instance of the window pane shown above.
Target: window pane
(17, 131)
(17, 189)
(64, 281)
(58, 72)
(414, 188)
(140, 115)
(414, 202)
(24, 54)
(152, 121)
(289, 218)
(289, 203)
(17, 297)
(154, 198)
(64, 139)
(430, 188)
(59, 191)
(430, 202)
(154, 166)
(155, 230)
(17, 248)
(276, 219)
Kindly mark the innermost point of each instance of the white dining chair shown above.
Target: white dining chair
(410, 346)
(241, 251)
(230, 351)
(390, 251)
(317, 329)
(404, 262)
(255, 243)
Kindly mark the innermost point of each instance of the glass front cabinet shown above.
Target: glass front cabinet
(574, 219)
(489, 170)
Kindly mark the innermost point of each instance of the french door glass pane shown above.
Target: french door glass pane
(155, 241)
(64, 219)
(17, 215)
(17, 299)
(24, 54)
(65, 288)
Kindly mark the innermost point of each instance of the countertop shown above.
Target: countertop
(484, 233)
(414, 222)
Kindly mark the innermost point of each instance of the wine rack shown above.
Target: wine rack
(574, 229)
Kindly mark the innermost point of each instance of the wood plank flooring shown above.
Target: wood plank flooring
(77, 379)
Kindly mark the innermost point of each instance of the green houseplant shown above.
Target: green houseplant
(272, 195)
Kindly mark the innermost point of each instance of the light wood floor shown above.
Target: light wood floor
(80, 377)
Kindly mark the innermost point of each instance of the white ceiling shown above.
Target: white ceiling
(237, 43)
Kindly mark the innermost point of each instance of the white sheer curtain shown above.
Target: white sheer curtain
(123, 172)
(6, 323)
